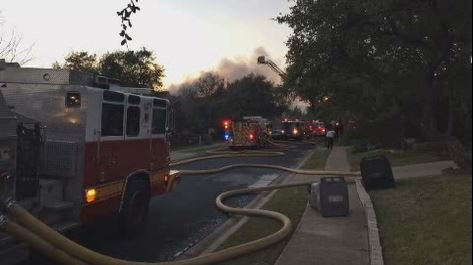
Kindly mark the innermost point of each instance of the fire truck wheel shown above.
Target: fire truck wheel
(134, 213)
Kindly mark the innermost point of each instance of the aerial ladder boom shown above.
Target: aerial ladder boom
(272, 65)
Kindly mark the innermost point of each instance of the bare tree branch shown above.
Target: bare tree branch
(11, 45)
(125, 15)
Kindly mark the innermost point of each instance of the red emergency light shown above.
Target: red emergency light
(226, 124)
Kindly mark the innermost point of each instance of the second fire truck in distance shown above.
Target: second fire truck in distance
(294, 129)
(247, 132)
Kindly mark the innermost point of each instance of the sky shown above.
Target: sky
(187, 36)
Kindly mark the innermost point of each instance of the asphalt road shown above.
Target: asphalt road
(180, 219)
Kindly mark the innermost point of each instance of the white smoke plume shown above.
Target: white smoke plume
(232, 69)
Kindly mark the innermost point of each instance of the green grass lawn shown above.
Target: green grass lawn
(426, 221)
(396, 158)
(290, 202)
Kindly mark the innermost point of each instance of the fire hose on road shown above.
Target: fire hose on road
(277, 150)
(65, 251)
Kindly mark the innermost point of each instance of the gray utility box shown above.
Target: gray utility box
(330, 197)
(376, 173)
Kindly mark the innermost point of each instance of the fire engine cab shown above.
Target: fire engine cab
(75, 147)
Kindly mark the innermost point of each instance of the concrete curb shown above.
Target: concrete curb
(401, 172)
(214, 240)
(376, 250)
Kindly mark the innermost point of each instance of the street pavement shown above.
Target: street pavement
(330, 241)
(187, 153)
(179, 220)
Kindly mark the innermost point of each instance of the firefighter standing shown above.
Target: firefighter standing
(330, 136)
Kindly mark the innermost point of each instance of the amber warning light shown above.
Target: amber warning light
(90, 195)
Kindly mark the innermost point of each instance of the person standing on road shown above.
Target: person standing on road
(331, 134)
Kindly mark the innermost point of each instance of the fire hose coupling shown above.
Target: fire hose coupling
(7, 203)
(3, 221)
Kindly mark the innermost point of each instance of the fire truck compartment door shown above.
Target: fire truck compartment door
(160, 146)
(112, 148)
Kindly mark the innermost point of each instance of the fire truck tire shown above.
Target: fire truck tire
(134, 214)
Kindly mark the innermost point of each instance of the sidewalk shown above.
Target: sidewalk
(330, 241)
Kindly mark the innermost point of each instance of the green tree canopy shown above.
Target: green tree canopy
(253, 95)
(80, 61)
(209, 83)
(377, 58)
(132, 68)
(206, 101)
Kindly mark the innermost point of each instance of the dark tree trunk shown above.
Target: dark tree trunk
(451, 116)
(312, 106)
(402, 130)
(402, 123)
(428, 124)
(429, 121)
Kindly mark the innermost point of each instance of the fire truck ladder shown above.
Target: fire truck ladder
(272, 65)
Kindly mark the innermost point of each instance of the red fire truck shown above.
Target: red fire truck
(75, 147)
(249, 132)
(318, 128)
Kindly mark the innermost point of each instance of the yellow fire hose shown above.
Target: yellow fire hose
(225, 155)
(290, 170)
(24, 235)
(77, 252)
(66, 251)
(277, 150)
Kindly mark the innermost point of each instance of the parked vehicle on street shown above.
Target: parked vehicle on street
(278, 134)
(318, 129)
(293, 129)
